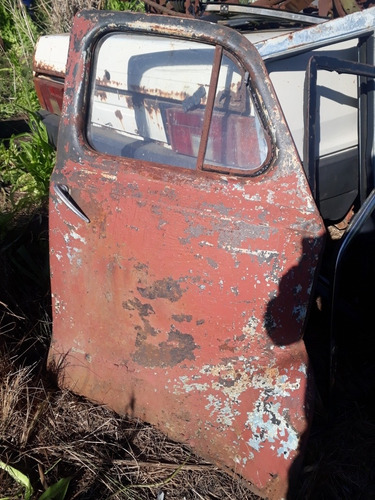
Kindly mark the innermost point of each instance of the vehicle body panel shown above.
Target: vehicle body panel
(180, 296)
(49, 68)
(51, 54)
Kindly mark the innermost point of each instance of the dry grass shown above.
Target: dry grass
(48, 434)
(45, 429)
(58, 14)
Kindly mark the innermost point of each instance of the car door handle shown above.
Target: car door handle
(63, 193)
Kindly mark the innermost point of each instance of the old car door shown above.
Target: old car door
(184, 241)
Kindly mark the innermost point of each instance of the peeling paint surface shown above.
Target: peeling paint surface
(185, 296)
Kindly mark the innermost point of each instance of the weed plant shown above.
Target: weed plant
(19, 34)
(26, 163)
(57, 15)
(133, 5)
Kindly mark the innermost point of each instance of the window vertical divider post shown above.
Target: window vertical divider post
(209, 106)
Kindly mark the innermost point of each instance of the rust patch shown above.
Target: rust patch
(151, 108)
(144, 333)
(141, 267)
(136, 305)
(180, 318)
(226, 382)
(118, 115)
(169, 193)
(129, 102)
(226, 347)
(167, 288)
(179, 347)
(212, 263)
(101, 94)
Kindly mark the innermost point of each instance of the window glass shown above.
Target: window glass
(237, 139)
(149, 99)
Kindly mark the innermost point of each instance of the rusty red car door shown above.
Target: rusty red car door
(184, 241)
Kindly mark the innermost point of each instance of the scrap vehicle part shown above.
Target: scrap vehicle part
(196, 8)
(182, 297)
(311, 107)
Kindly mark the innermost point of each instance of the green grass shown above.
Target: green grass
(26, 163)
(133, 5)
(19, 34)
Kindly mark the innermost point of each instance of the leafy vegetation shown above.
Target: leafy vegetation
(20, 478)
(56, 15)
(19, 35)
(133, 5)
(26, 163)
(56, 491)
